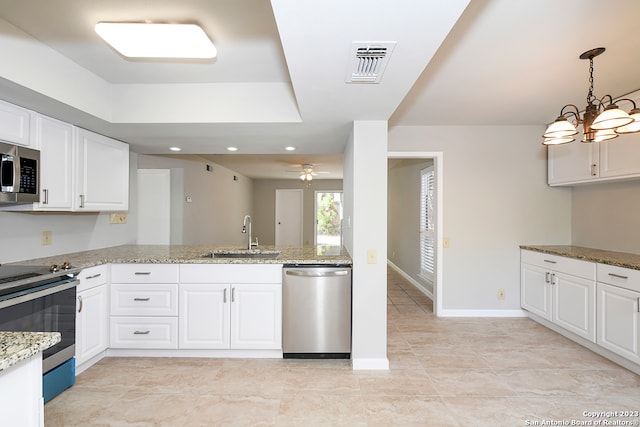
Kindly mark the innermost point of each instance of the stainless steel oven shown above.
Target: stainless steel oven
(43, 299)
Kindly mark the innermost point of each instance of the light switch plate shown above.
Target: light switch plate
(372, 256)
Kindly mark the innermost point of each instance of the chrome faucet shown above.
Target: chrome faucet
(250, 244)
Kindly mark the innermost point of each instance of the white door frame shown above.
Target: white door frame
(438, 165)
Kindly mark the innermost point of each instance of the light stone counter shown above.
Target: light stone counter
(619, 259)
(184, 254)
(18, 346)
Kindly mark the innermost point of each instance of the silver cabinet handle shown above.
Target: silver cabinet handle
(546, 277)
(550, 261)
(141, 332)
(618, 276)
(553, 279)
(142, 273)
(93, 276)
(46, 197)
(594, 171)
(82, 200)
(233, 294)
(638, 304)
(224, 296)
(80, 300)
(142, 299)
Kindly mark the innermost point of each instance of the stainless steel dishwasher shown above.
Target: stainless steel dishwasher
(316, 319)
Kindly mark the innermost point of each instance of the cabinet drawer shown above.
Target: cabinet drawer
(144, 332)
(618, 276)
(231, 273)
(144, 273)
(144, 299)
(575, 267)
(92, 277)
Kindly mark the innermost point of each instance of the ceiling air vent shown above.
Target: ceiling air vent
(368, 61)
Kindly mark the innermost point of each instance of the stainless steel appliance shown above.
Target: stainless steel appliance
(316, 303)
(19, 174)
(43, 299)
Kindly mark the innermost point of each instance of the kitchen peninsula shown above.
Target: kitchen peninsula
(21, 376)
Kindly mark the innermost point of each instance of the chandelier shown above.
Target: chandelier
(306, 174)
(602, 119)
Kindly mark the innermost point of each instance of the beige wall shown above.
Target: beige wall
(264, 202)
(607, 216)
(403, 216)
(214, 216)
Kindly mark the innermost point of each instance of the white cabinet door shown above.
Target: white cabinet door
(572, 163)
(574, 304)
(92, 328)
(256, 316)
(620, 157)
(103, 173)
(204, 316)
(14, 124)
(619, 321)
(55, 140)
(535, 290)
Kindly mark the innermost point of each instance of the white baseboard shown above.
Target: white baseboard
(247, 354)
(411, 280)
(482, 313)
(377, 364)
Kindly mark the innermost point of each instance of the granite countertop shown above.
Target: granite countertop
(18, 346)
(620, 259)
(186, 254)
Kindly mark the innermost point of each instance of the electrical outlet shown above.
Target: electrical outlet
(118, 218)
(47, 237)
(501, 294)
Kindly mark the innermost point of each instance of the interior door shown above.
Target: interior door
(154, 206)
(289, 217)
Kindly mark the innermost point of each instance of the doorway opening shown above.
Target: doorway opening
(328, 218)
(413, 269)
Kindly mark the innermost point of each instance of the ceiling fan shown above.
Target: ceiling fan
(306, 172)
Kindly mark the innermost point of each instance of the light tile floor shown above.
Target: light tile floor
(444, 372)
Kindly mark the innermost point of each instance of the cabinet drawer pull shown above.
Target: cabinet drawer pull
(224, 296)
(550, 261)
(618, 276)
(93, 276)
(80, 301)
(142, 299)
(46, 197)
(142, 273)
(141, 332)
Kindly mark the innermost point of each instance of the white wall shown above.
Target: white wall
(607, 216)
(72, 232)
(365, 191)
(219, 203)
(495, 199)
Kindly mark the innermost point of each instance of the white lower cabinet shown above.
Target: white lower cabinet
(560, 290)
(92, 317)
(225, 315)
(619, 311)
(144, 309)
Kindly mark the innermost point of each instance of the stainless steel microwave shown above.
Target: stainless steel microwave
(19, 174)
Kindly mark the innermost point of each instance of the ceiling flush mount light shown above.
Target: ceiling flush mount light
(175, 148)
(602, 118)
(154, 40)
(232, 148)
(290, 148)
(306, 174)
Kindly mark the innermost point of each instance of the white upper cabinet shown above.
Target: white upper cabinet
(572, 163)
(14, 124)
(103, 173)
(55, 140)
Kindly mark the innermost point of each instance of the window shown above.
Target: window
(427, 224)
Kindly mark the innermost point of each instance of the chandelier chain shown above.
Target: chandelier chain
(590, 97)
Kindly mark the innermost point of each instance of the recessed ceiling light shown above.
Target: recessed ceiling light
(175, 148)
(149, 40)
(289, 148)
(232, 149)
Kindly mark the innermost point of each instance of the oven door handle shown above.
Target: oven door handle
(42, 291)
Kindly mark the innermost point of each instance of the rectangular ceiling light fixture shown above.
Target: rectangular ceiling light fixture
(153, 40)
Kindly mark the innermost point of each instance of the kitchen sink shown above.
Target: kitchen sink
(242, 253)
